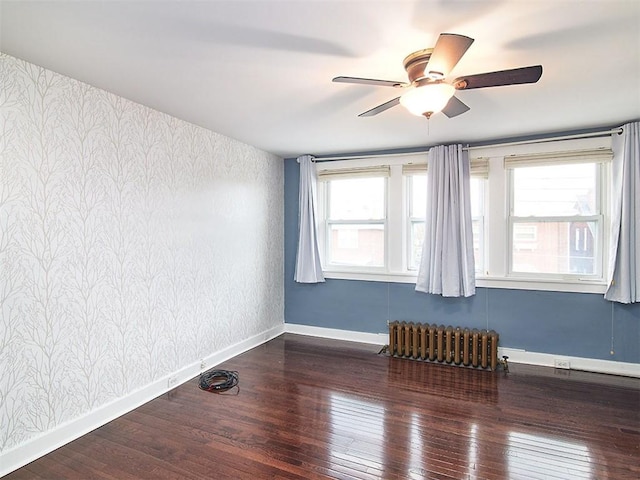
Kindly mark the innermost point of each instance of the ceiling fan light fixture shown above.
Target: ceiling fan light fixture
(430, 98)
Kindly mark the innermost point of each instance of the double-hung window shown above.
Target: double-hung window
(556, 221)
(355, 218)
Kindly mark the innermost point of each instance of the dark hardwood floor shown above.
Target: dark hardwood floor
(314, 408)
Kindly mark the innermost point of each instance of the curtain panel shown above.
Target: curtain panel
(624, 256)
(308, 266)
(447, 265)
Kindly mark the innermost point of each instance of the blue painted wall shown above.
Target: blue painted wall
(574, 324)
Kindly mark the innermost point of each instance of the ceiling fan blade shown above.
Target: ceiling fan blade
(454, 108)
(448, 51)
(381, 108)
(370, 81)
(496, 79)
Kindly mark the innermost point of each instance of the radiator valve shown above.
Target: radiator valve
(504, 363)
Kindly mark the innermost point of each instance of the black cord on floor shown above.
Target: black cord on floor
(219, 381)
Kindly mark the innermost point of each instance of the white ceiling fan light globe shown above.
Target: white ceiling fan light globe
(429, 98)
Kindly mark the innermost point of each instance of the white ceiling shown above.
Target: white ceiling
(260, 71)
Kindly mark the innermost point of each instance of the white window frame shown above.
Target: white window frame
(598, 218)
(394, 269)
(498, 233)
(325, 236)
(496, 239)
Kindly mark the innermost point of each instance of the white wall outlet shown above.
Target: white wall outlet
(203, 364)
(172, 381)
(564, 364)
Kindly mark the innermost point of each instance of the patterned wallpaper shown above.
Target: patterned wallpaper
(131, 244)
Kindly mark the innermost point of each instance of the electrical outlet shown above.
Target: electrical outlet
(564, 364)
(172, 381)
(203, 364)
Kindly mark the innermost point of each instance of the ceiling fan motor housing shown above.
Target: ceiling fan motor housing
(416, 63)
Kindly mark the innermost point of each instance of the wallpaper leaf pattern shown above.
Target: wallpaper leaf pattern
(131, 244)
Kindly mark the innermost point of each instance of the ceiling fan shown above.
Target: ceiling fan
(428, 91)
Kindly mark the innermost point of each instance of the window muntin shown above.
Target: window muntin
(556, 223)
(356, 222)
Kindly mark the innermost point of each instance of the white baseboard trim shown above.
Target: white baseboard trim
(515, 355)
(48, 441)
(571, 363)
(336, 334)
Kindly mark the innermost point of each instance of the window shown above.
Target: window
(539, 216)
(555, 219)
(356, 222)
(355, 217)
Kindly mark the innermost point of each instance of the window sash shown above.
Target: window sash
(599, 189)
(358, 266)
(412, 221)
(597, 258)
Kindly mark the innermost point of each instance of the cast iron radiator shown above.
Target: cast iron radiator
(453, 345)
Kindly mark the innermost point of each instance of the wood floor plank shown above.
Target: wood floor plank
(311, 408)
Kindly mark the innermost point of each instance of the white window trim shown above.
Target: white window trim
(396, 207)
(496, 227)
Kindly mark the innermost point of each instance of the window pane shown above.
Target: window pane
(477, 197)
(554, 247)
(357, 199)
(551, 190)
(418, 199)
(417, 238)
(478, 251)
(360, 245)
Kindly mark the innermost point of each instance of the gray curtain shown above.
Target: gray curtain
(624, 255)
(447, 264)
(308, 266)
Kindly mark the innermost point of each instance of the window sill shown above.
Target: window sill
(371, 276)
(482, 282)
